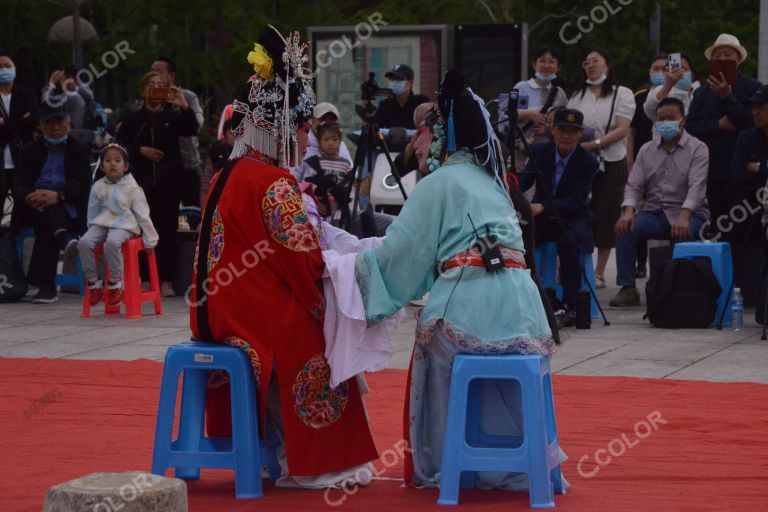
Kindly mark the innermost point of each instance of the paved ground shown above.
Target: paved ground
(628, 347)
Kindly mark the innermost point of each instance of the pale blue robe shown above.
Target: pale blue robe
(469, 309)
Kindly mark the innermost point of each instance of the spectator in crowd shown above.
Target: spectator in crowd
(70, 72)
(218, 154)
(750, 158)
(640, 132)
(608, 109)
(151, 136)
(188, 145)
(52, 183)
(568, 170)
(321, 114)
(117, 211)
(716, 117)
(18, 118)
(329, 172)
(398, 111)
(671, 175)
(406, 161)
(641, 128)
(63, 90)
(679, 83)
(331, 176)
(536, 97)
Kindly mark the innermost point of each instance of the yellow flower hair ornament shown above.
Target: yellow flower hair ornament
(262, 62)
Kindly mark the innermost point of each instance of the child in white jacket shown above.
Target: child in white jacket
(117, 211)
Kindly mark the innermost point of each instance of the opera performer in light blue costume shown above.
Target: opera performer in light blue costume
(430, 247)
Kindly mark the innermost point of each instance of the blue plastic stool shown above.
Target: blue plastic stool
(467, 449)
(719, 254)
(245, 453)
(546, 267)
(76, 279)
(25, 233)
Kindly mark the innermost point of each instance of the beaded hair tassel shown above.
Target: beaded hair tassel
(451, 137)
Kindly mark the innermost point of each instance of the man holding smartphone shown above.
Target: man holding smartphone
(716, 117)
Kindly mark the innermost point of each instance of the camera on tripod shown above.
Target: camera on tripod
(513, 100)
(370, 89)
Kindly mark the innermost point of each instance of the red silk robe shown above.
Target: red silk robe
(263, 294)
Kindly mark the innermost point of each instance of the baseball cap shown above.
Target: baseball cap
(325, 108)
(759, 98)
(400, 72)
(49, 113)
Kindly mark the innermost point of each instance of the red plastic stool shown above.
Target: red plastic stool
(133, 297)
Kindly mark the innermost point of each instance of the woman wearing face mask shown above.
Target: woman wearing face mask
(536, 97)
(18, 118)
(608, 109)
(678, 83)
(151, 136)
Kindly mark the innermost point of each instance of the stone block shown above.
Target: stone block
(133, 491)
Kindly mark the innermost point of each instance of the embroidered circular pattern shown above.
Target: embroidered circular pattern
(286, 218)
(240, 343)
(216, 245)
(314, 402)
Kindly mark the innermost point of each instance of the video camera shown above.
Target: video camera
(370, 89)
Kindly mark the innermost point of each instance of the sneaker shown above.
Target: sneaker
(45, 295)
(96, 292)
(565, 317)
(166, 289)
(599, 282)
(627, 296)
(641, 272)
(115, 293)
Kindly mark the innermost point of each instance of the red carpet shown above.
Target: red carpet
(709, 452)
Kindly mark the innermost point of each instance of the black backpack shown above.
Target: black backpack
(13, 286)
(683, 295)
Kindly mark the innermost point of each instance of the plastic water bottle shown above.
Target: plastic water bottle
(737, 310)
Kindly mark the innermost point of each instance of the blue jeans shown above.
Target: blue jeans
(648, 225)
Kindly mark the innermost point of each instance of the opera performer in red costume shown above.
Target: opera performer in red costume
(257, 283)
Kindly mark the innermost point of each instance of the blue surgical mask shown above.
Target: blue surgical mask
(685, 82)
(668, 129)
(57, 140)
(7, 75)
(657, 78)
(397, 86)
(548, 78)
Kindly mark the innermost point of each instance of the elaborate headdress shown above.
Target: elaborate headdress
(468, 124)
(279, 100)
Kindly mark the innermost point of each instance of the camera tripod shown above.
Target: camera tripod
(371, 140)
(514, 132)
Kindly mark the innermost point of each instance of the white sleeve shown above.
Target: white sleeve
(625, 104)
(651, 102)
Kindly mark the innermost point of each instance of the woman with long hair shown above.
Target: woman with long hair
(608, 109)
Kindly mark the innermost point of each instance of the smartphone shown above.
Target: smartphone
(674, 61)
(726, 67)
(160, 94)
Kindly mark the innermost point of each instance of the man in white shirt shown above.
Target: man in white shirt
(323, 113)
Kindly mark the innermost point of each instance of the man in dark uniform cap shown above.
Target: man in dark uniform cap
(568, 170)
